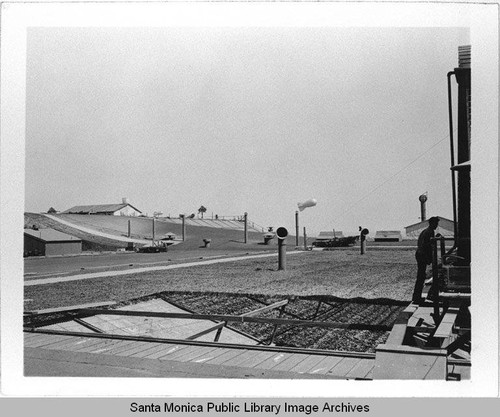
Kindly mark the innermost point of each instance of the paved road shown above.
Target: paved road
(102, 274)
(35, 267)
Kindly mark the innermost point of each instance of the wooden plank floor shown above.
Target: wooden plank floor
(245, 359)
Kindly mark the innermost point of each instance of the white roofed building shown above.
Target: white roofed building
(121, 209)
(445, 228)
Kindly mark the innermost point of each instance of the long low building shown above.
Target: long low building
(121, 209)
(388, 236)
(328, 235)
(50, 242)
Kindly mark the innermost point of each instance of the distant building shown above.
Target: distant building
(50, 242)
(329, 235)
(445, 228)
(388, 236)
(122, 209)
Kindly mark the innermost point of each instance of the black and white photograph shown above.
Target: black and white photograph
(240, 198)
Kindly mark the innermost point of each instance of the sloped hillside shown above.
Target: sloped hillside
(142, 228)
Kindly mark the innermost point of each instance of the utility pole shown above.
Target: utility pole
(183, 217)
(245, 218)
(296, 228)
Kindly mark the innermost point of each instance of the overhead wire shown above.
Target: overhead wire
(393, 175)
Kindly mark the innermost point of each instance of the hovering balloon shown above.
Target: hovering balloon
(308, 203)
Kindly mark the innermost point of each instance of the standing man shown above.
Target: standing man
(424, 257)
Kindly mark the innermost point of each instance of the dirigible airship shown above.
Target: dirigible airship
(308, 203)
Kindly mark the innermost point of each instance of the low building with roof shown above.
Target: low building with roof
(388, 236)
(330, 235)
(122, 209)
(50, 242)
(445, 228)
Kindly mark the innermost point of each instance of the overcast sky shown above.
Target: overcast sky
(243, 119)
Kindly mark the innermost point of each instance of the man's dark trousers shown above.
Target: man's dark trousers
(421, 276)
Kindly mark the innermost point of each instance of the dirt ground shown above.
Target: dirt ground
(342, 274)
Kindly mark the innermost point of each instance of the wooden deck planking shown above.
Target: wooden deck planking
(124, 345)
(112, 348)
(307, 364)
(58, 344)
(49, 343)
(168, 349)
(290, 362)
(323, 366)
(100, 344)
(251, 361)
(277, 361)
(150, 350)
(187, 351)
(361, 369)
(208, 356)
(44, 339)
(344, 367)
(135, 348)
(226, 355)
(244, 357)
(106, 347)
(194, 354)
(77, 344)
(273, 360)
(84, 344)
(154, 348)
(30, 337)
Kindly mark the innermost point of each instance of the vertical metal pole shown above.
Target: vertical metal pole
(129, 229)
(422, 211)
(452, 154)
(281, 255)
(305, 239)
(442, 247)
(246, 226)
(463, 155)
(183, 227)
(362, 241)
(154, 230)
(296, 228)
(434, 290)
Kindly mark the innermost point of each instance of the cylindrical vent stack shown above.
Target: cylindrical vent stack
(423, 215)
(125, 200)
(281, 233)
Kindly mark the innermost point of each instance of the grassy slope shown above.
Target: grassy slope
(221, 238)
